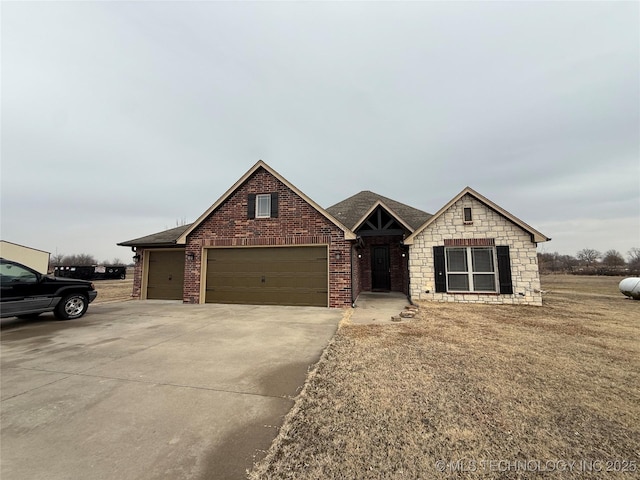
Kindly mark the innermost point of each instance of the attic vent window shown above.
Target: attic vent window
(468, 217)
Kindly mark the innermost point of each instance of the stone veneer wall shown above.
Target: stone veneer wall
(486, 224)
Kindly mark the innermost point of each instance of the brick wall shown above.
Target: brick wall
(397, 263)
(486, 224)
(298, 223)
(137, 274)
(356, 277)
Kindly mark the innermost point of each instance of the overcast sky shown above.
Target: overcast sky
(120, 119)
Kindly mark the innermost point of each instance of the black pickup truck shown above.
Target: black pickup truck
(27, 293)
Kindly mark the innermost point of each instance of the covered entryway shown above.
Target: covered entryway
(165, 278)
(380, 269)
(268, 276)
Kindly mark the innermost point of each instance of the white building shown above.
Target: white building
(31, 257)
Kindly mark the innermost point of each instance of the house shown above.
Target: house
(265, 242)
(31, 257)
(472, 250)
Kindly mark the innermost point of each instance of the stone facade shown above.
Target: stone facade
(486, 224)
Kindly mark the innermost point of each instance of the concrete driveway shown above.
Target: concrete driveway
(152, 389)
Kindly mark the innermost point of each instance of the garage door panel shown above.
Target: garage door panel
(268, 276)
(266, 296)
(233, 280)
(301, 279)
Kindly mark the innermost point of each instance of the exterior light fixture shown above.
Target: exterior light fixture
(136, 258)
(190, 256)
(338, 256)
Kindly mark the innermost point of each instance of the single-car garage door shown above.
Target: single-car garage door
(166, 275)
(268, 276)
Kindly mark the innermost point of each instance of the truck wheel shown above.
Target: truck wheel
(72, 306)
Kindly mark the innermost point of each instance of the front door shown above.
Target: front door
(380, 271)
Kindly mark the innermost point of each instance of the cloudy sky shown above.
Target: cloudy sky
(121, 119)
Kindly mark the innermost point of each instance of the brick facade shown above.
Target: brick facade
(137, 275)
(488, 227)
(397, 263)
(297, 223)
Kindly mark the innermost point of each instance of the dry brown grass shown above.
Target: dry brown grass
(113, 290)
(479, 388)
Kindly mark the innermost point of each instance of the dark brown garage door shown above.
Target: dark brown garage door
(166, 275)
(268, 276)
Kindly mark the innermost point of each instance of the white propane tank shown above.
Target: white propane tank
(630, 287)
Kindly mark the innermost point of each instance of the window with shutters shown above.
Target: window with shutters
(470, 269)
(263, 206)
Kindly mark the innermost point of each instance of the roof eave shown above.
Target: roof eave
(380, 203)
(348, 234)
(147, 244)
(536, 236)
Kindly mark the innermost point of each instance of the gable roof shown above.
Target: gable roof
(536, 236)
(165, 238)
(348, 234)
(356, 209)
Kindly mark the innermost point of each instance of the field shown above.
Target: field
(475, 391)
(114, 290)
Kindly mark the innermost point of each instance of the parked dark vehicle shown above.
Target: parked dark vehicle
(91, 272)
(27, 293)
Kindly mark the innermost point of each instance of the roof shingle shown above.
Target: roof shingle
(164, 238)
(351, 210)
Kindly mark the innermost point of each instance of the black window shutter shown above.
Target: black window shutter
(251, 205)
(439, 269)
(274, 205)
(504, 270)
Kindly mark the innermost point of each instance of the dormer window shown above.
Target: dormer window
(468, 217)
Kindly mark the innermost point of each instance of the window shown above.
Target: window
(468, 217)
(11, 273)
(470, 269)
(263, 206)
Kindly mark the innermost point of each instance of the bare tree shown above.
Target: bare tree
(80, 259)
(56, 259)
(634, 259)
(114, 262)
(588, 256)
(613, 258)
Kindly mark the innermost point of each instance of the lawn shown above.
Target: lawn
(475, 391)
